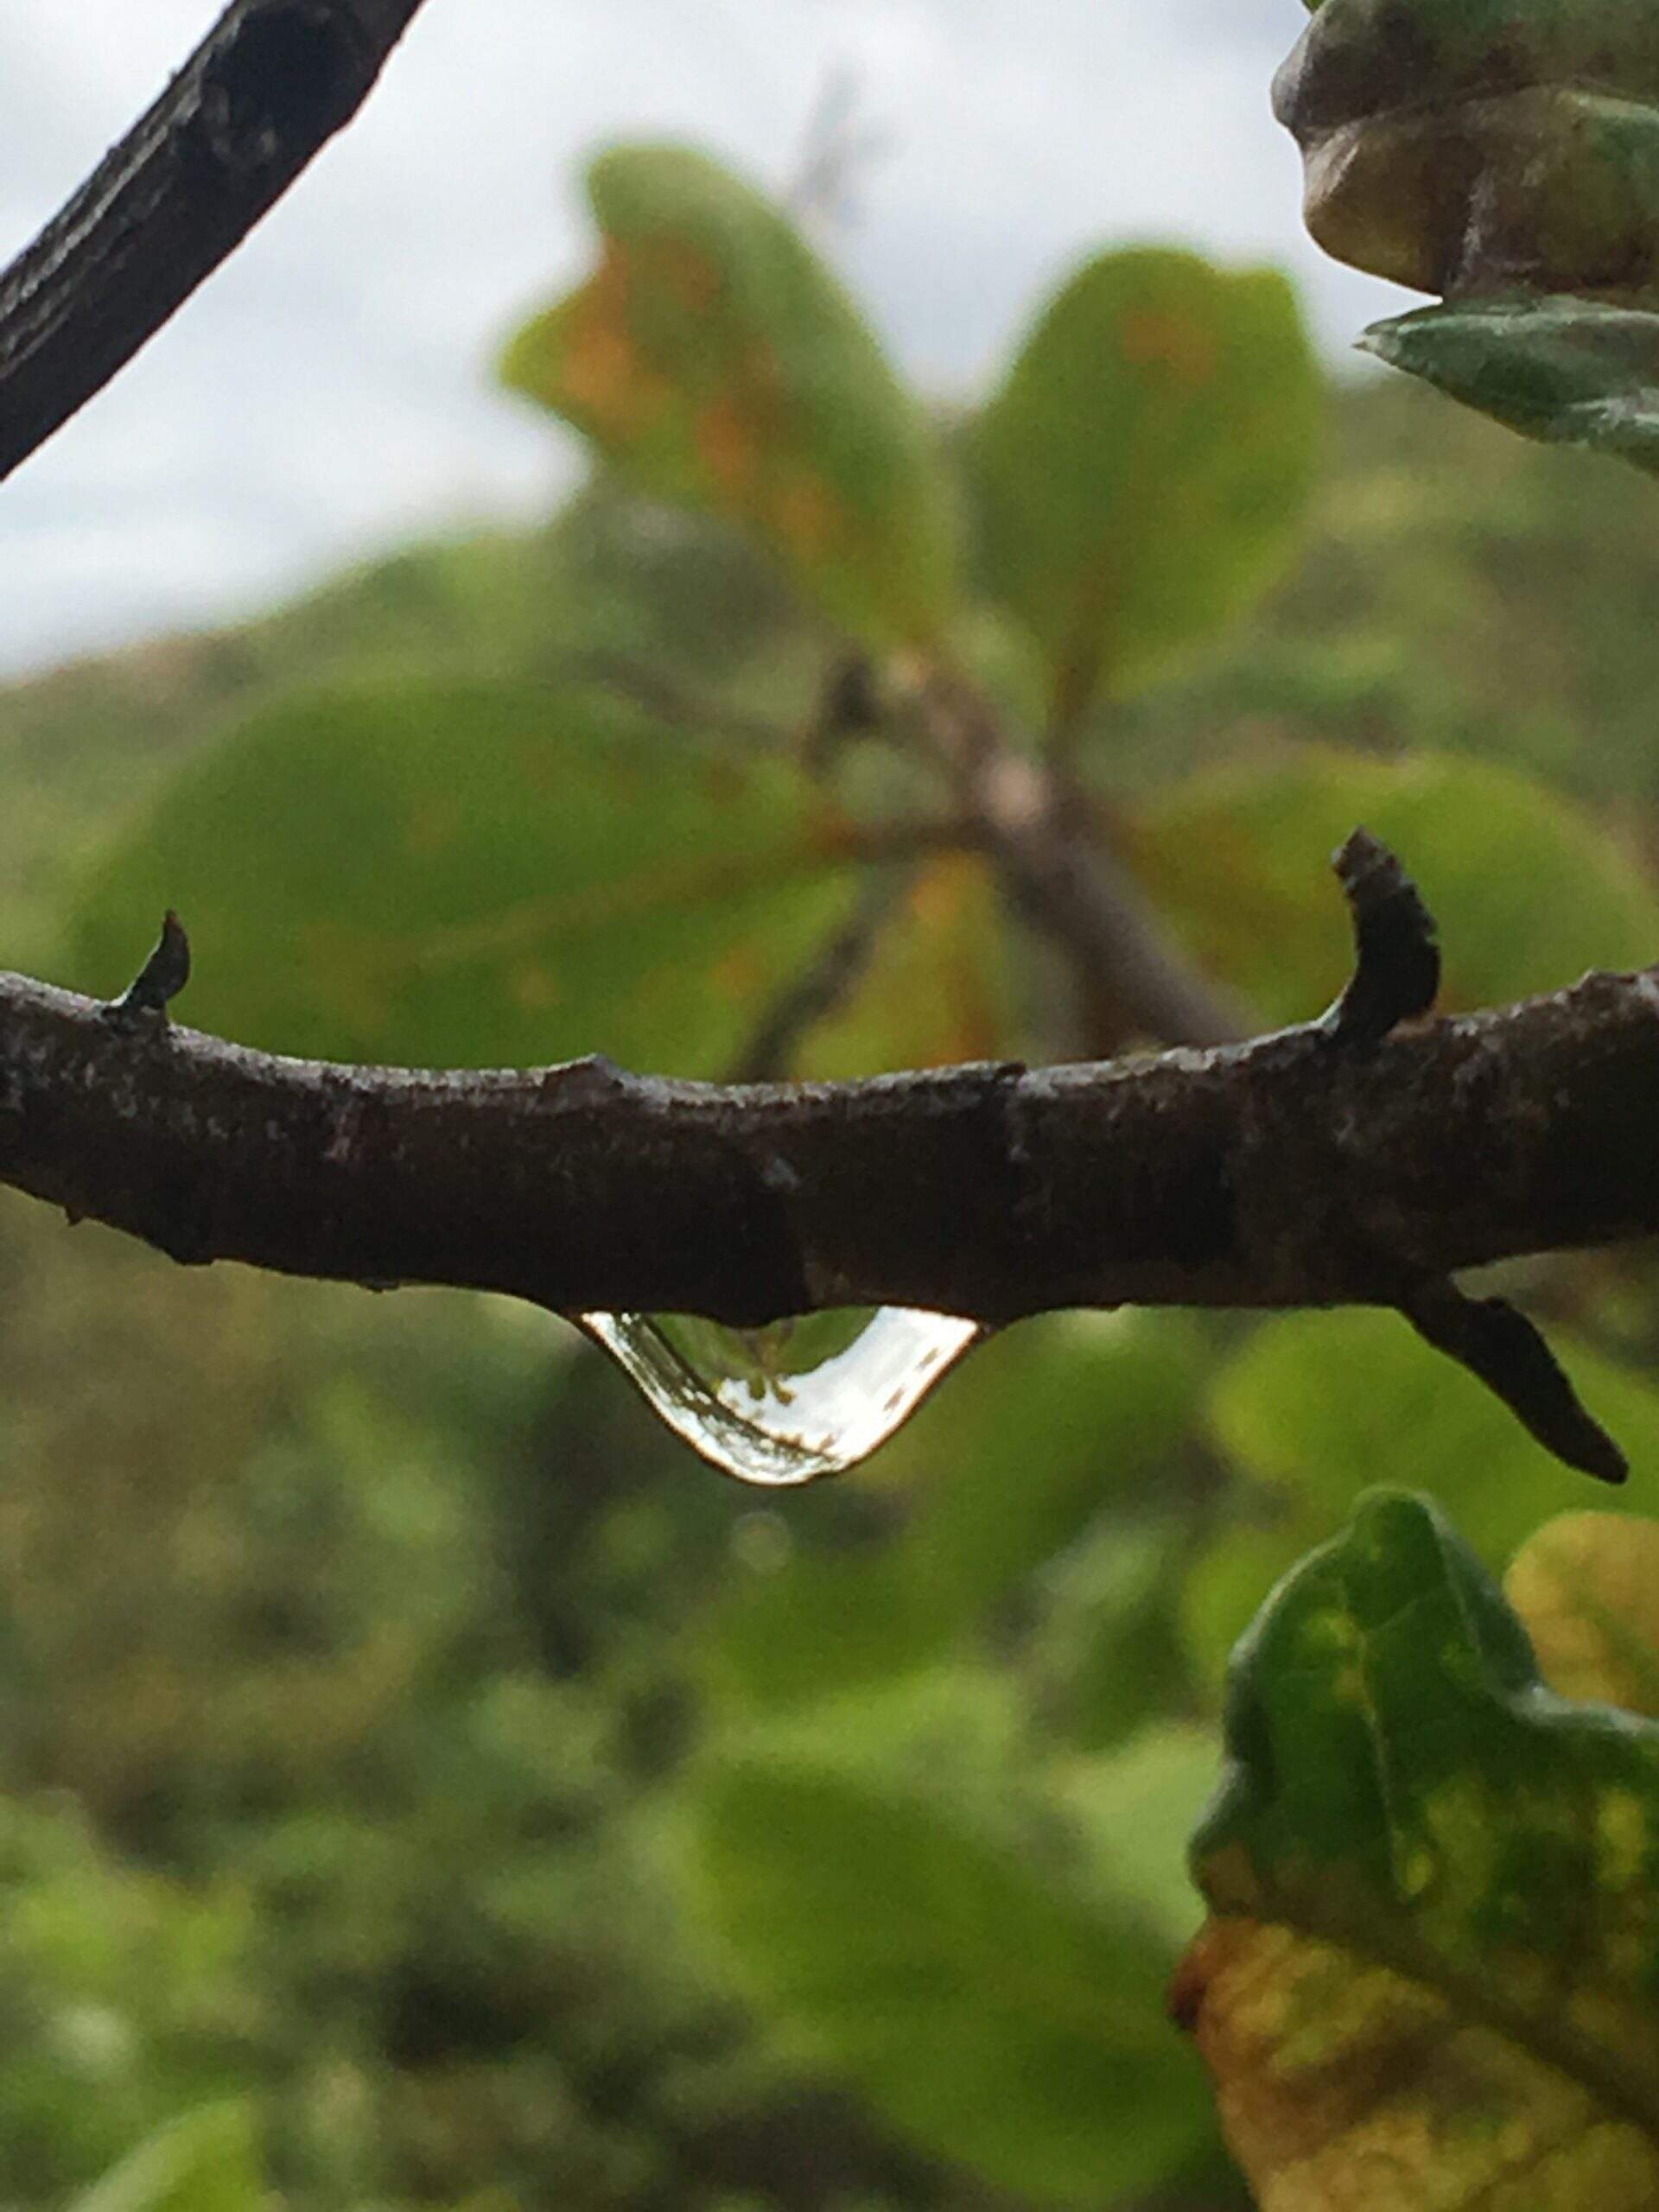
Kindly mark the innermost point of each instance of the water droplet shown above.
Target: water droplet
(792, 1401)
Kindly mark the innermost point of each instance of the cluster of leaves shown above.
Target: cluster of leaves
(551, 1818)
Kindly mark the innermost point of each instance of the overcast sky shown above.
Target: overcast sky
(326, 393)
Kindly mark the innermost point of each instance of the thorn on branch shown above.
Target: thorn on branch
(1397, 948)
(163, 976)
(1501, 1347)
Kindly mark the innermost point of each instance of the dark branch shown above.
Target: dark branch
(271, 83)
(1301, 1169)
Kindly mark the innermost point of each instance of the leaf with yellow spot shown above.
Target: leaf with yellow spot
(1430, 1978)
(1142, 473)
(715, 360)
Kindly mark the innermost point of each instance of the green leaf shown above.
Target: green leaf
(1138, 1804)
(1315, 1407)
(1430, 1978)
(1237, 863)
(1010, 2025)
(1043, 1430)
(1568, 371)
(715, 360)
(474, 874)
(204, 2162)
(1142, 472)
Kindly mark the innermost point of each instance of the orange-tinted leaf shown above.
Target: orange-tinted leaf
(713, 359)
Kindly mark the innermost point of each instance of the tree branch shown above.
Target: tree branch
(272, 80)
(1321, 1165)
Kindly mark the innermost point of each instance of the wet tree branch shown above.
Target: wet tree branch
(270, 84)
(1350, 1160)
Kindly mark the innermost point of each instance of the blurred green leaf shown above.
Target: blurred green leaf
(205, 2162)
(1143, 471)
(1587, 1587)
(474, 874)
(1109, 1652)
(1429, 1976)
(1138, 1805)
(1569, 370)
(715, 359)
(1315, 1407)
(1041, 1430)
(1238, 863)
(1010, 2026)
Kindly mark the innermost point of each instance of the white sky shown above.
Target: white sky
(326, 393)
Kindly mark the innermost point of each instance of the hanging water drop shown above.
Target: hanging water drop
(797, 1399)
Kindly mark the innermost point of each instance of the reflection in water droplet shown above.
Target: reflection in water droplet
(785, 1404)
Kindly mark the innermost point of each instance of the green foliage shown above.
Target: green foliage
(1016, 2027)
(715, 359)
(403, 1672)
(1540, 897)
(477, 875)
(1314, 1406)
(1435, 1898)
(1142, 473)
(1571, 372)
(205, 2162)
(1115, 1394)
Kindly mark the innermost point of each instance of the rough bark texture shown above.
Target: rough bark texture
(1302, 1168)
(271, 82)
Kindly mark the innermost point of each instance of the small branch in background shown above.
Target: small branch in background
(271, 82)
(681, 705)
(1137, 983)
(826, 983)
(837, 148)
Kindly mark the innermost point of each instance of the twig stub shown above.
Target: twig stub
(163, 976)
(1397, 946)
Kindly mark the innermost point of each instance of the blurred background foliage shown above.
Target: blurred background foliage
(424, 1782)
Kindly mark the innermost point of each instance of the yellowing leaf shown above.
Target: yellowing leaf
(1587, 1587)
(715, 360)
(1429, 1981)
(1344, 2085)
